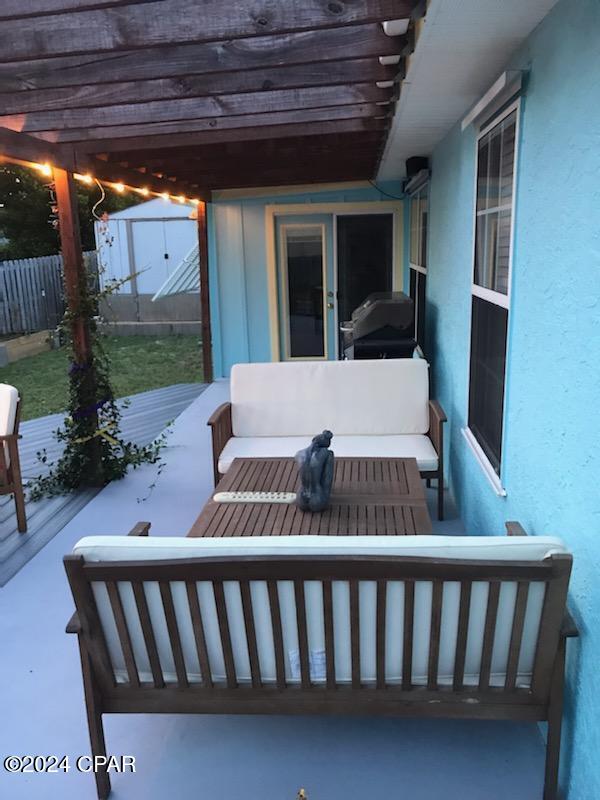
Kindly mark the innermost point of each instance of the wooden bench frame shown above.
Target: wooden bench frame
(103, 695)
(222, 431)
(10, 477)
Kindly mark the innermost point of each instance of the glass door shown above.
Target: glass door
(306, 294)
(365, 258)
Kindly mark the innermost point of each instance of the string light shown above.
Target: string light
(45, 169)
(195, 201)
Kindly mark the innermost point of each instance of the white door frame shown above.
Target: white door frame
(396, 208)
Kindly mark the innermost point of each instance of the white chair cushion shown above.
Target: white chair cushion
(9, 397)
(391, 446)
(123, 548)
(384, 396)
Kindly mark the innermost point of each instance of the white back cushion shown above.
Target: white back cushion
(122, 548)
(379, 397)
(9, 397)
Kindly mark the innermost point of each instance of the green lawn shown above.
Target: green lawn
(138, 363)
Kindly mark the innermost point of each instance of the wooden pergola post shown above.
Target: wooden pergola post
(74, 280)
(204, 292)
(70, 246)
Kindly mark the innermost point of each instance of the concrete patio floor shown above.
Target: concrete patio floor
(220, 758)
(145, 415)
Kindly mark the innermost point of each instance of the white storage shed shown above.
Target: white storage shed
(146, 242)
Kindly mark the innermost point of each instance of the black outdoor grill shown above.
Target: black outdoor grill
(381, 327)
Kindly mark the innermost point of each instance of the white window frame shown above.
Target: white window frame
(492, 296)
(423, 187)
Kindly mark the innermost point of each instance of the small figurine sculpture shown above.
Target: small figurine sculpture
(315, 464)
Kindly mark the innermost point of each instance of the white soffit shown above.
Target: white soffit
(462, 48)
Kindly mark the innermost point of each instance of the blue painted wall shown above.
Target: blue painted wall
(238, 274)
(552, 428)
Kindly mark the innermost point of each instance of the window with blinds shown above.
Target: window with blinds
(496, 147)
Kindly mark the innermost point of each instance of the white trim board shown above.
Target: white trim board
(294, 189)
(500, 92)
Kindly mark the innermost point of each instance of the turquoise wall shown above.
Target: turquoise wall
(552, 430)
(238, 274)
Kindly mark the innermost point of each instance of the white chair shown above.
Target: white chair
(10, 467)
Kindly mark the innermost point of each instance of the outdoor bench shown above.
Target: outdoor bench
(416, 626)
(378, 408)
(10, 466)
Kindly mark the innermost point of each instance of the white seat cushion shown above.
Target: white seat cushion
(9, 397)
(373, 397)
(497, 548)
(394, 446)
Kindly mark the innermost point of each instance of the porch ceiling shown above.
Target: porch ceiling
(463, 46)
(209, 96)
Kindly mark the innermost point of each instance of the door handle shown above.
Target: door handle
(330, 306)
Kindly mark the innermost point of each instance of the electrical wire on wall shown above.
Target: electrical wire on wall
(386, 194)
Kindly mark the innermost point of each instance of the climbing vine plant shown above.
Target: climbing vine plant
(94, 453)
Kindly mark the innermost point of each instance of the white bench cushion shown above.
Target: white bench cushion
(9, 397)
(122, 548)
(392, 446)
(379, 397)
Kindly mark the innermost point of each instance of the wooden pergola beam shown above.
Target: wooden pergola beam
(301, 155)
(132, 177)
(213, 178)
(174, 61)
(283, 177)
(16, 9)
(334, 137)
(150, 24)
(296, 117)
(114, 148)
(220, 106)
(21, 147)
(297, 76)
(205, 172)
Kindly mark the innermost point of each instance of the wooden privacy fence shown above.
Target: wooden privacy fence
(31, 293)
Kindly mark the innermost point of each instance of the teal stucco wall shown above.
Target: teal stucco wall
(551, 458)
(238, 273)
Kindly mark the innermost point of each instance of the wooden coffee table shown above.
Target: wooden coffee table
(369, 495)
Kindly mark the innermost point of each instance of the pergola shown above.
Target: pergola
(182, 97)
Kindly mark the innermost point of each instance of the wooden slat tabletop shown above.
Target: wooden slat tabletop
(369, 496)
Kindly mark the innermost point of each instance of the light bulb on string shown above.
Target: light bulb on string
(45, 169)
